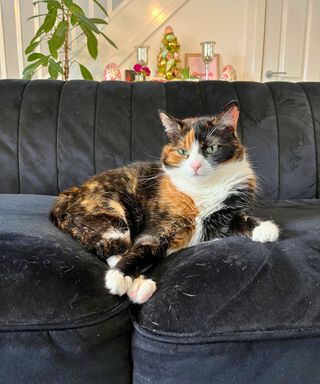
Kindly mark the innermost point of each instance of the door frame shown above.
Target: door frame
(255, 34)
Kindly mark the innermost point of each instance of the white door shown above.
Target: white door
(292, 41)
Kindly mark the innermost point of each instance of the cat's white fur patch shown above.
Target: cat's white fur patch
(117, 282)
(114, 234)
(113, 260)
(141, 290)
(195, 156)
(211, 187)
(265, 232)
(147, 239)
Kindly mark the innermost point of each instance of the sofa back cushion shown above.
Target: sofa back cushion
(54, 135)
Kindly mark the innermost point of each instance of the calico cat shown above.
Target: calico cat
(203, 189)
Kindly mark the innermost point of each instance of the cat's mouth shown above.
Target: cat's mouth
(198, 175)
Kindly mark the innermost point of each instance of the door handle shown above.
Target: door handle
(269, 74)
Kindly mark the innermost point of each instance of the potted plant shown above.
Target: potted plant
(61, 17)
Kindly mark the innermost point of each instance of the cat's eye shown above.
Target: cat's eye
(183, 152)
(211, 149)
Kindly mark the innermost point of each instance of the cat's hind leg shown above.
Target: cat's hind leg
(100, 225)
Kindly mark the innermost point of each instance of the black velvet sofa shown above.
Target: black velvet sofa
(231, 311)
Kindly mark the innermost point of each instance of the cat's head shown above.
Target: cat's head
(198, 146)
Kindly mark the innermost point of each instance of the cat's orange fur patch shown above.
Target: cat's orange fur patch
(170, 153)
(189, 139)
(182, 210)
(92, 185)
(117, 207)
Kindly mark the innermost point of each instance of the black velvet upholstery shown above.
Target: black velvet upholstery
(65, 323)
(242, 282)
(54, 134)
(232, 307)
(230, 311)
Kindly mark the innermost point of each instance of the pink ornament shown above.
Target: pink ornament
(168, 30)
(176, 56)
(228, 73)
(169, 56)
(111, 72)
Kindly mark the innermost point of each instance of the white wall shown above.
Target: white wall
(223, 21)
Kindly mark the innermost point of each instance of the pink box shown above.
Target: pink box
(197, 67)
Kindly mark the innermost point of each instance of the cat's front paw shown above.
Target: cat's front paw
(113, 260)
(117, 282)
(141, 290)
(265, 232)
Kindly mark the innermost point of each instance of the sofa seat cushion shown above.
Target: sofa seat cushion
(226, 303)
(53, 297)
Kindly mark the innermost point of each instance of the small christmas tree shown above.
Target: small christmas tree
(168, 58)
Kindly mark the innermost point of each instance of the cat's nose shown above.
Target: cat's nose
(196, 165)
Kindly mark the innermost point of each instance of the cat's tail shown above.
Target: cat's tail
(59, 210)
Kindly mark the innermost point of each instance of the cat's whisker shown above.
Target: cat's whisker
(250, 148)
(211, 132)
(152, 157)
(147, 179)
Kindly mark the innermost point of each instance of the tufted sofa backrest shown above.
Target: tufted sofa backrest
(54, 135)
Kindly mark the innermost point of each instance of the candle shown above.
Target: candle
(142, 53)
(207, 52)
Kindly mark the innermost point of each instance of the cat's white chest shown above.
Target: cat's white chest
(208, 200)
(210, 193)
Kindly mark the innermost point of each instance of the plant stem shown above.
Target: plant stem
(66, 47)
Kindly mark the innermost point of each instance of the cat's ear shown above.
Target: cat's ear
(172, 126)
(229, 116)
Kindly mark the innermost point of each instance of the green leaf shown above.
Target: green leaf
(98, 21)
(67, 3)
(85, 20)
(30, 69)
(35, 56)
(56, 65)
(101, 7)
(54, 69)
(78, 12)
(58, 37)
(53, 51)
(39, 32)
(50, 20)
(39, 15)
(31, 47)
(92, 42)
(86, 74)
(50, 7)
(52, 72)
(54, 3)
(75, 9)
(74, 20)
(109, 40)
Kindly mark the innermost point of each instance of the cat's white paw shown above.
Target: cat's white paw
(141, 290)
(265, 232)
(117, 282)
(113, 260)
